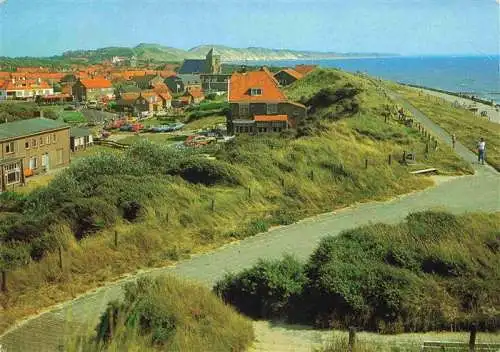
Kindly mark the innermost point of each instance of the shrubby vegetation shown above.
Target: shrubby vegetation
(166, 203)
(434, 271)
(167, 314)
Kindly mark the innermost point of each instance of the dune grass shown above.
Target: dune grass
(433, 272)
(370, 342)
(168, 314)
(205, 122)
(468, 127)
(161, 138)
(160, 200)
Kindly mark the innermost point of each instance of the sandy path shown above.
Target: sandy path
(480, 192)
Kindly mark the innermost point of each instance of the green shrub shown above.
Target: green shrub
(167, 314)
(207, 172)
(409, 277)
(265, 290)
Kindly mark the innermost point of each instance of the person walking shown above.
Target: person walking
(453, 140)
(481, 149)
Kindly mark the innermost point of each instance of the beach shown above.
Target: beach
(492, 111)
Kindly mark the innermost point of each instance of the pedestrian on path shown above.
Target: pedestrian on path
(453, 140)
(481, 149)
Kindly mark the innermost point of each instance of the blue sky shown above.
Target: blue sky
(410, 27)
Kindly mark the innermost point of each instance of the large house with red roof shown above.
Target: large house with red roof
(257, 105)
(95, 89)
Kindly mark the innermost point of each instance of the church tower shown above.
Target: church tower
(213, 62)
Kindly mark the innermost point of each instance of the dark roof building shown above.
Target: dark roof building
(20, 128)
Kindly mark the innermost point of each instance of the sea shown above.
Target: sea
(474, 75)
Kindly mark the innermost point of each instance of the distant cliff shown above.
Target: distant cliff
(159, 53)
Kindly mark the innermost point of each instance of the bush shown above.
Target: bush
(207, 172)
(170, 315)
(387, 278)
(266, 290)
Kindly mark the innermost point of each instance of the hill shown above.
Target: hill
(147, 52)
(166, 203)
(168, 314)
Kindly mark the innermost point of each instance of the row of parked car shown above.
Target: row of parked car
(171, 127)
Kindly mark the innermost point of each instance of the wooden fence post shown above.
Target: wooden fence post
(390, 159)
(472, 338)
(116, 239)
(213, 204)
(111, 323)
(60, 258)
(4, 281)
(249, 193)
(366, 163)
(167, 219)
(404, 155)
(352, 338)
(312, 175)
(282, 182)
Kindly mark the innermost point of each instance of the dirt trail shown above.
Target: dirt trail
(480, 192)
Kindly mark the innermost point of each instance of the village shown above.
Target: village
(113, 104)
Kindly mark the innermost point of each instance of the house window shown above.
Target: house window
(33, 163)
(9, 148)
(53, 137)
(47, 139)
(13, 173)
(27, 145)
(244, 109)
(272, 109)
(41, 141)
(255, 91)
(33, 143)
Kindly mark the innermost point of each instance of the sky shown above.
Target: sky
(407, 27)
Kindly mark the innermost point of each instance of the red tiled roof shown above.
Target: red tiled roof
(166, 73)
(4, 75)
(96, 83)
(9, 85)
(270, 118)
(165, 95)
(129, 96)
(241, 83)
(196, 93)
(293, 73)
(305, 69)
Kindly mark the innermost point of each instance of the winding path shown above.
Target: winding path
(480, 192)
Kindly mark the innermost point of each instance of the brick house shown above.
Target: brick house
(93, 89)
(257, 105)
(148, 100)
(287, 76)
(28, 147)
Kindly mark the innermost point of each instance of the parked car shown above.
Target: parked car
(198, 141)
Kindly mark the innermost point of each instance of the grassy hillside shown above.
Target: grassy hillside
(168, 314)
(468, 127)
(435, 271)
(161, 53)
(166, 203)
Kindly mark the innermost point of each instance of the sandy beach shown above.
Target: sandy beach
(493, 112)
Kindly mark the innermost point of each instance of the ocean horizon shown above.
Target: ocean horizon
(475, 75)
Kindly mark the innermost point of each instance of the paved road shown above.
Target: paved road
(480, 192)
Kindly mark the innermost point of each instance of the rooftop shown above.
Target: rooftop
(270, 118)
(96, 83)
(241, 84)
(22, 128)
